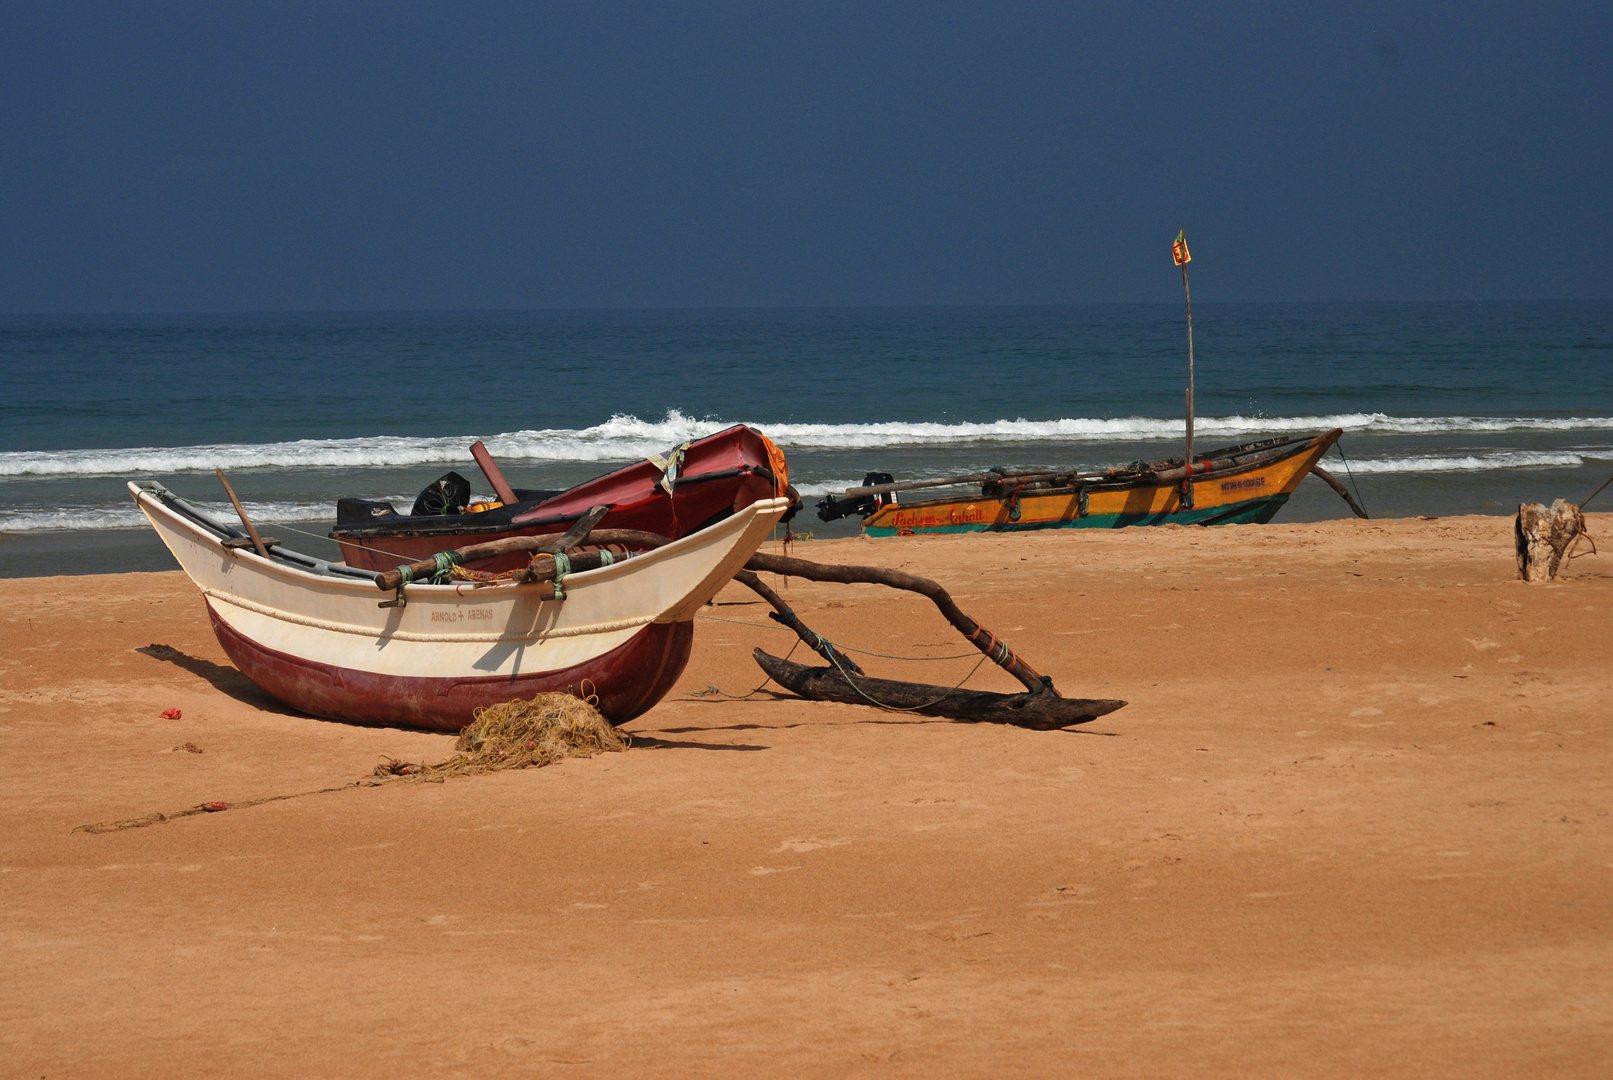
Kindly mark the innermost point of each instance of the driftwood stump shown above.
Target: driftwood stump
(1543, 536)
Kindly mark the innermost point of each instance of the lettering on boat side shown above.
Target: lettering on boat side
(966, 514)
(472, 614)
(1240, 485)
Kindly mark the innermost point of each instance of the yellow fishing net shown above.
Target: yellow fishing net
(520, 734)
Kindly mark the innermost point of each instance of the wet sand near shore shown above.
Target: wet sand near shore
(1357, 819)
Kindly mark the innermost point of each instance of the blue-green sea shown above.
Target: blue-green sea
(1447, 408)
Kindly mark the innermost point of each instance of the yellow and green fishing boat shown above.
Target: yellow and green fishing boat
(1245, 483)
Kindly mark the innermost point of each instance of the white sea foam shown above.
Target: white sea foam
(1433, 463)
(128, 516)
(627, 438)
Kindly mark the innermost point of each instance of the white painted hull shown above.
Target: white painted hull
(452, 637)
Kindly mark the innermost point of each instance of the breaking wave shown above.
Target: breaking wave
(127, 516)
(628, 438)
(1506, 459)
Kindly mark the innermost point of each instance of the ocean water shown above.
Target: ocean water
(1447, 408)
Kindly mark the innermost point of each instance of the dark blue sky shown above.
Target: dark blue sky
(170, 157)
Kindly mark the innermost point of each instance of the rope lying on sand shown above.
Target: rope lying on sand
(515, 735)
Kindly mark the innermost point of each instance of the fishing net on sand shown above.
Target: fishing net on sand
(520, 734)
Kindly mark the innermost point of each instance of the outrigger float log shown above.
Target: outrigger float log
(1042, 711)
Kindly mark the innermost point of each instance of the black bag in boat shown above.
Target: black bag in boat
(449, 495)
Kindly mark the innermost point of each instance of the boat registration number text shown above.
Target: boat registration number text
(1244, 484)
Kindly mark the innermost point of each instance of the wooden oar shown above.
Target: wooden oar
(257, 541)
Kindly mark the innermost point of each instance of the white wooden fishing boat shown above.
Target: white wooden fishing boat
(312, 634)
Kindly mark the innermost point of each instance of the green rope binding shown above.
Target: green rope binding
(562, 567)
(405, 577)
(444, 562)
(821, 645)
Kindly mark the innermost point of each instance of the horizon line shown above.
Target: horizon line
(603, 308)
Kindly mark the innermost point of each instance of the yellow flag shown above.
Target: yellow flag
(1179, 249)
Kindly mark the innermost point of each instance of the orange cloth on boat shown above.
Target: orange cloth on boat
(780, 467)
(479, 507)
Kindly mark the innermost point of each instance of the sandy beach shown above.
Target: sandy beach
(1354, 821)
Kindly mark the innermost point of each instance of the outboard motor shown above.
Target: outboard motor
(831, 508)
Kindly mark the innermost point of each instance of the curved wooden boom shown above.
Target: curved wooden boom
(984, 640)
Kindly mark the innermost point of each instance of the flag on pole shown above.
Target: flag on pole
(1179, 249)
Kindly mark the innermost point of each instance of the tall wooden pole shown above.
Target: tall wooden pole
(1189, 295)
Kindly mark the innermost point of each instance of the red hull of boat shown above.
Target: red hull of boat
(628, 680)
(729, 458)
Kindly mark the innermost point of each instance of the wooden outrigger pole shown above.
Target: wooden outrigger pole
(1180, 253)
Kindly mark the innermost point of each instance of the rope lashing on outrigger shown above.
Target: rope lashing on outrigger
(785, 616)
(562, 567)
(996, 650)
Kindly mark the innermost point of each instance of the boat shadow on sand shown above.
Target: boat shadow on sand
(223, 678)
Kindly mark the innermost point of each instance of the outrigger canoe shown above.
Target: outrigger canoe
(312, 634)
(1236, 484)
